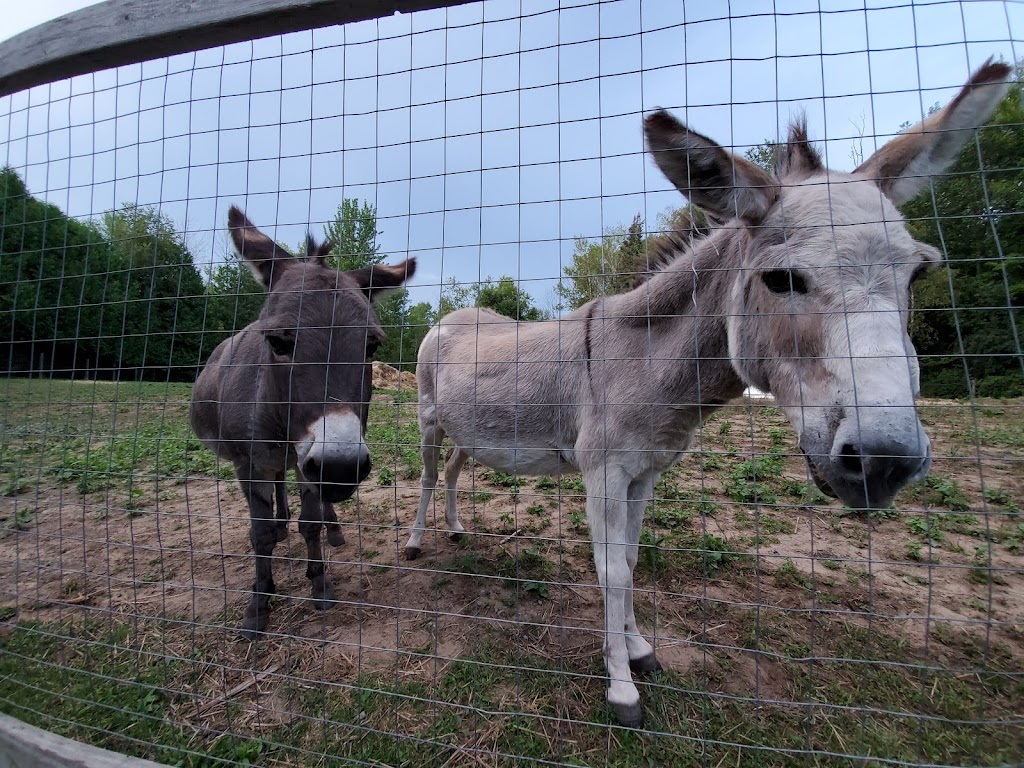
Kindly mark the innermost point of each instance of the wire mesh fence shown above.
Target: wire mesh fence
(513, 150)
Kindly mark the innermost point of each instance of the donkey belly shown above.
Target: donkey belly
(519, 439)
(521, 461)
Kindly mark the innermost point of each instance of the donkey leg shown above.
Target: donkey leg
(283, 513)
(642, 659)
(607, 514)
(452, 469)
(335, 535)
(430, 450)
(263, 535)
(311, 524)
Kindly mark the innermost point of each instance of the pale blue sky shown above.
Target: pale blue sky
(487, 135)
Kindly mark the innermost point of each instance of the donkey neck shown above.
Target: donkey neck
(695, 283)
(685, 306)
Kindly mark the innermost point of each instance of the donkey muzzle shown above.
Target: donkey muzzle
(333, 456)
(335, 480)
(866, 467)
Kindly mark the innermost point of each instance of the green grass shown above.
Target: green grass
(505, 699)
(1009, 437)
(520, 687)
(393, 438)
(97, 436)
(944, 492)
(100, 687)
(751, 481)
(1003, 498)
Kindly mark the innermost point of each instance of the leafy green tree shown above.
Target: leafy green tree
(57, 279)
(967, 320)
(353, 230)
(234, 298)
(622, 257)
(456, 295)
(508, 299)
(763, 155)
(603, 267)
(503, 296)
(163, 304)
(405, 331)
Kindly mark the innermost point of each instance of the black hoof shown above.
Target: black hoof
(411, 553)
(255, 623)
(645, 665)
(324, 598)
(282, 531)
(335, 536)
(456, 535)
(628, 715)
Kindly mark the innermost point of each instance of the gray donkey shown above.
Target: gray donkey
(292, 390)
(803, 292)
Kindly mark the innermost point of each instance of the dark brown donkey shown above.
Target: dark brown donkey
(292, 390)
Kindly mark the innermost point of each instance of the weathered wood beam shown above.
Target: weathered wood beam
(118, 32)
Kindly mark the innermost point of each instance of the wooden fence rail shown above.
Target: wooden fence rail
(119, 32)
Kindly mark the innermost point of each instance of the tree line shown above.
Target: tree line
(122, 297)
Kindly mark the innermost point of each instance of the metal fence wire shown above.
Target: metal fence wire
(781, 313)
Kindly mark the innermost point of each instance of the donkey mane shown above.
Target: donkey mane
(317, 251)
(797, 159)
(665, 247)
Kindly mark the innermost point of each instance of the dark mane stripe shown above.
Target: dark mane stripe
(665, 247)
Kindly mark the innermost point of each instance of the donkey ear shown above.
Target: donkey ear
(903, 166)
(265, 258)
(723, 184)
(376, 280)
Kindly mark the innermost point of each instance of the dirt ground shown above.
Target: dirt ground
(182, 562)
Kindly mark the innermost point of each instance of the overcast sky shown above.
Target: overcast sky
(487, 135)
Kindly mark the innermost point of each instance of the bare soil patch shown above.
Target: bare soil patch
(740, 597)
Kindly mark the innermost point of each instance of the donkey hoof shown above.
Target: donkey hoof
(254, 624)
(628, 715)
(411, 553)
(282, 531)
(456, 535)
(645, 665)
(335, 536)
(324, 598)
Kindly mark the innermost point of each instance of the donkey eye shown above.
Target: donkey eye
(784, 281)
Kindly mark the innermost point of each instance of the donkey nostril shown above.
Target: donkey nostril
(311, 469)
(850, 460)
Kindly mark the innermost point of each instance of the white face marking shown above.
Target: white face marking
(335, 437)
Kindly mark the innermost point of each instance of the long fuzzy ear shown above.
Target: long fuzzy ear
(377, 280)
(723, 184)
(903, 166)
(265, 258)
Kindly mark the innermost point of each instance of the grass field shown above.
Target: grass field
(793, 631)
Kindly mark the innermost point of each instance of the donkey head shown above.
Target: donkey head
(320, 331)
(820, 276)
